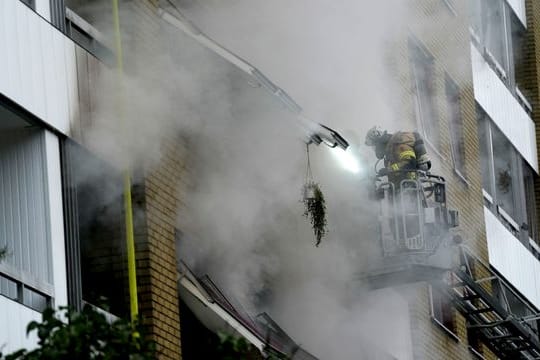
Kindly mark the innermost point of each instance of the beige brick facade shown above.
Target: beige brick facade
(528, 74)
(444, 33)
(156, 249)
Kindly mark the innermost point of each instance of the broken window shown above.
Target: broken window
(422, 68)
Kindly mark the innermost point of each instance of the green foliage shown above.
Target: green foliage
(86, 335)
(315, 210)
(234, 348)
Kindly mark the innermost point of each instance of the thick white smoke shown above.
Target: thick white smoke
(242, 216)
(245, 216)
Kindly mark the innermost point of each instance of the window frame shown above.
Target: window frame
(424, 93)
(87, 36)
(80, 290)
(455, 127)
(449, 330)
(515, 220)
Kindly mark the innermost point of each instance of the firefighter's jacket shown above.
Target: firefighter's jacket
(400, 153)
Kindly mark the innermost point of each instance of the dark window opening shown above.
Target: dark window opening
(508, 183)
(96, 238)
(475, 345)
(442, 311)
(518, 38)
(530, 203)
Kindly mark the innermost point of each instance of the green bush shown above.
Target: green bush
(85, 335)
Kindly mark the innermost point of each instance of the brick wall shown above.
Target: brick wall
(528, 74)
(444, 33)
(157, 196)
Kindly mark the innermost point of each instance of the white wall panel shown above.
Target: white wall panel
(17, 316)
(39, 69)
(519, 8)
(23, 35)
(24, 213)
(510, 257)
(505, 111)
(10, 72)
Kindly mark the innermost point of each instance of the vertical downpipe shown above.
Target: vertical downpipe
(128, 210)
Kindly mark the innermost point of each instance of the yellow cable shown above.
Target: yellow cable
(130, 240)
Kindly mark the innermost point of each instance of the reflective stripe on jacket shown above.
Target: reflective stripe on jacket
(400, 153)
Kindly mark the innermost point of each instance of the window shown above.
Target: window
(530, 202)
(508, 181)
(442, 311)
(489, 24)
(500, 36)
(494, 34)
(455, 122)
(484, 139)
(24, 212)
(475, 345)
(504, 165)
(97, 264)
(422, 69)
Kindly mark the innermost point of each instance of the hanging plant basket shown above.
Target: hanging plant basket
(315, 209)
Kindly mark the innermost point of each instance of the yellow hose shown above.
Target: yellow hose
(128, 210)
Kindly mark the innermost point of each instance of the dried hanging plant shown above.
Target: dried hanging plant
(314, 204)
(315, 210)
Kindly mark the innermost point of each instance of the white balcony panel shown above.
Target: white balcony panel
(14, 317)
(519, 8)
(512, 260)
(503, 108)
(38, 71)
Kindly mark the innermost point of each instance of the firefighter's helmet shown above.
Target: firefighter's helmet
(373, 136)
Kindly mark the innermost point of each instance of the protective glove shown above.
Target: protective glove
(383, 172)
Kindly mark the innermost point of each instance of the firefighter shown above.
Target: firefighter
(403, 152)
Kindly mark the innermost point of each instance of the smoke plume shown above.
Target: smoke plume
(242, 216)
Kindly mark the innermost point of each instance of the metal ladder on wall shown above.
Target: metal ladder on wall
(496, 314)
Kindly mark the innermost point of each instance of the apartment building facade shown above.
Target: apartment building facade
(486, 122)
(469, 85)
